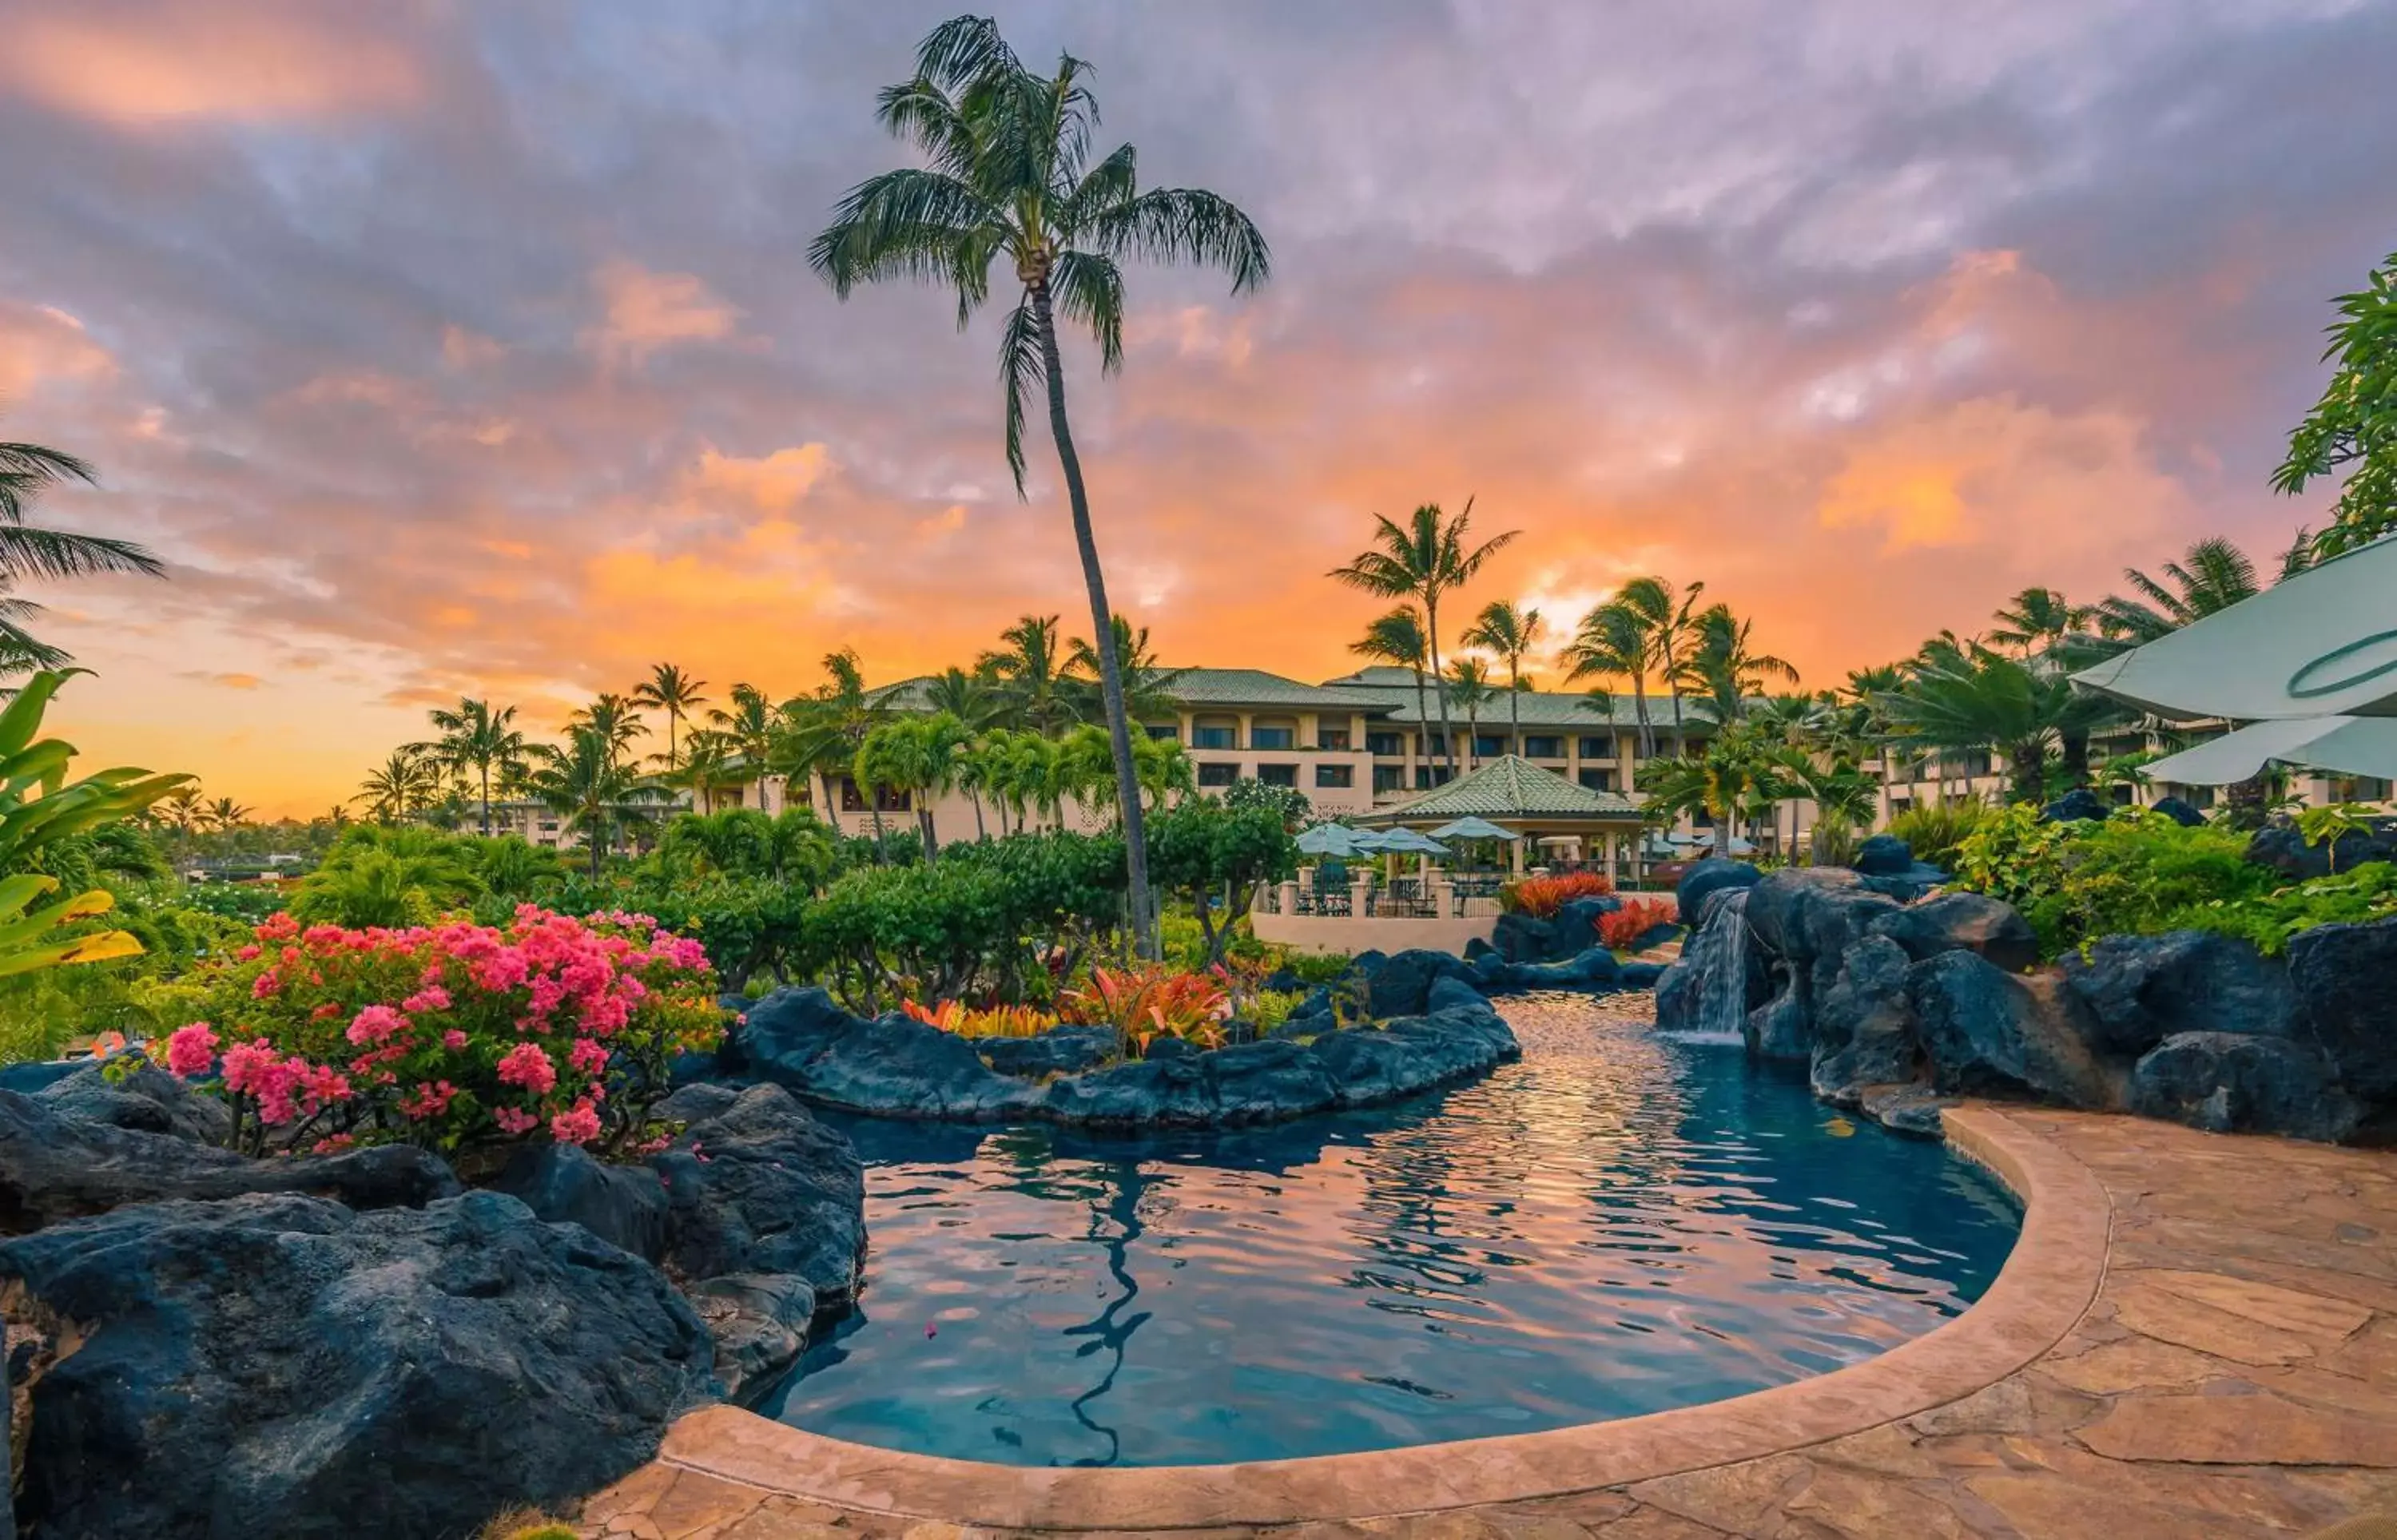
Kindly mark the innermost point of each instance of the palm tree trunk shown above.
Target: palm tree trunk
(1640, 703)
(1423, 717)
(487, 799)
(1103, 631)
(980, 833)
(1447, 729)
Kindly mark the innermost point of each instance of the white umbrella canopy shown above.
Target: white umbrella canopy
(2346, 745)
(1473, 827)
(2322, 643)
(1332, 838)
(1406, 842)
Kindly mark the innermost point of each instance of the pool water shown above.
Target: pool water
(1619, 1223)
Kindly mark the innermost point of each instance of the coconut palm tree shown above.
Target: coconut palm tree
(1432, 554)
(748, 730)
(1468, 687)
(1011, 180)
(2211, 575)
(478, 738)
(589, 785)
(707, 762)
(1029, 668)
(183, 810)
(1985, 699)
(401, 786)
(26, 471)
(1148, 689)
(226, 813)
(1512, 633)
(2039, 620)
(1666, 621)
(614, 718)
(1722, 667)
(1398, 639)
(670, 690)
(1611, 643)
(20, 652)
(916, 756)
(974, 699)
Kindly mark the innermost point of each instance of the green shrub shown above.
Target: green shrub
(1935, 833)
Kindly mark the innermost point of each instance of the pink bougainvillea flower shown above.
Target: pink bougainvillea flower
(453, 1039)
(587, 1056)
(432, 996)
(512, 1121)
(190, 1050)
(527, 1066)
(375, 1024)
(578, 1126)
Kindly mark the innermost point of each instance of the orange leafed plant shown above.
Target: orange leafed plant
(1141, 1003)
(969, 1021)
(1542, 896)
(1625, 926)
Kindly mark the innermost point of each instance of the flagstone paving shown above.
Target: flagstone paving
(2234, 1375)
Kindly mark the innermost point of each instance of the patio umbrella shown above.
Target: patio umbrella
(1406, 842)
(1332, 839)
(2322, 643)
(1472, 826)
(2350, 746)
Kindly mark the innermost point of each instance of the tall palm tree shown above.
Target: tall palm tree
(1723, 669)
(183, 810)
(1666, 621)
(1512, 633)
(2039, 620)
(21, 651)
(707, 757)
(1611, 643)
(973, 698)
(748, 730)
(1985, 699)
(1396, 638)
(615, 718)
(224, 814)
(401, 786)
(670, 690)
(916, 756)
(1468, 685)
(1432, 554)
(1029, 668)
(1147, 688)
(588, 784)
(1011, 180)
(475, 736)
(2211, 575)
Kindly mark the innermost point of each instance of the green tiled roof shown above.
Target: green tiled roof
(1256, 688)
(1508, 787)
(1395, 689)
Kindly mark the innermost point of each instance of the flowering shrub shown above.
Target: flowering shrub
(1623, 928)
(456, 1036)
(1542, 896)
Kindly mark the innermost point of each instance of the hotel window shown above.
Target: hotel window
(1215, 737)
(1594, 747)
(1389, 778)
(1272, 737)
(1549, 747)
(1278, 775)
(1598, 780)
(1385, 745)
(1337, 776)
(1165, 732)
(1488, 745)
(1218, 775)
(1331, 740)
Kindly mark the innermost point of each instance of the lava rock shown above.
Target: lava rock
(2182, 813)
(2078, 805)
(1062, 1051)
(1962, 922)
(2236, 1082)
(1800, 913)
(1887, 855)
(1523, 938)
(623, 1206)
(2141, 989)
(1863, 1023)
(1261, 1082)
(2282, 848)
(148, 1098)
(36, 1075)
(1988, 1032)
(1643, 976)
(894, 1065)
(284, 1368)
(1782, 1028)
(1714, 874)
(1574, 929)
(1163, 1091)
(1450, 992)
(788, 1028)
(55, 1167)
(697, 1103)
(762, 1186)
(760, 1323)
(1399, 985)
(2345, 983)
(1904, 1108)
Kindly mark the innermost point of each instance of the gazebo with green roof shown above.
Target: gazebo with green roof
(1540, 805)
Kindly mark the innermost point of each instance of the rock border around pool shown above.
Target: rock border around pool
(2047, 1285)
(895, 1066)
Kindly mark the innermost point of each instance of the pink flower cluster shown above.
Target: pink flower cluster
(473, 1030)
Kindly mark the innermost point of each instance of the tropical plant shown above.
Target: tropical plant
(2209, 578)
(1937, 832)
(1622, 929)
(1985, 699)
(986, 1021)
(478, 737)
(2038, 621)
(1721, 667)
(2354, 427)
(1011, 180)
(26, 471)
(1146, 1002)
(974, 698)
(389, 877)
(1029, 670)
(1542, 896)
(1468, 687)
(1429, 556)
(916, 757)
(2326, 826)
(1147, 688)
(1511, 634)
(1611, 644)
(670, 690)
(589, 785)
(1214, 854)
(613, 720)
(1664, 620)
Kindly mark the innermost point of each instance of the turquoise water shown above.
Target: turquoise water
(1619, 1223)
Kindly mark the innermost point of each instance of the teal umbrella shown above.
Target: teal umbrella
(1406, 842)
(1332, 838)
(1472, 826)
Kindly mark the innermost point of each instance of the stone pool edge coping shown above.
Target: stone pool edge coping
(2047, 1285)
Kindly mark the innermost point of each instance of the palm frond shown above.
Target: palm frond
(1089, 290)
(1021, 368)
(59, 553)
(1175, 224)
(910, 223)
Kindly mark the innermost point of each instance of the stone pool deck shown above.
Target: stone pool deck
(2196, 1338)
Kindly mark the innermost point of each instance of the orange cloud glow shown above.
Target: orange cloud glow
(138, 63)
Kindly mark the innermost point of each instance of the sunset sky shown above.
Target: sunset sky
(468, 346)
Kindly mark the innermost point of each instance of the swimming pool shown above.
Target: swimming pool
(1619, 1223)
